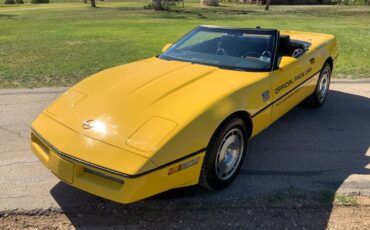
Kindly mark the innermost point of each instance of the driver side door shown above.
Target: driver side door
(288, 84)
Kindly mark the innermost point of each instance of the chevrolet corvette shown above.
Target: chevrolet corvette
(183, 117)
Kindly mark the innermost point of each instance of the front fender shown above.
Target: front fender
(195, 135)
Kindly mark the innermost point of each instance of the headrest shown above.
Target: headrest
(284, 40)
(284, 44)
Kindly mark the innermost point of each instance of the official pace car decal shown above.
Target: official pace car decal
(293, 80)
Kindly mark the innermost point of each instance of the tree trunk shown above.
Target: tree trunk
(93, 3)
(209, 2)
(267, 4)
(157, 4)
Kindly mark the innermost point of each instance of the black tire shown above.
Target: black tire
(317, 99)
(209, 177)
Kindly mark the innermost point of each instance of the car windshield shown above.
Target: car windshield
(238, 49)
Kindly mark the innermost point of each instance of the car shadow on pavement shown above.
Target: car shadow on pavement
(310, 151)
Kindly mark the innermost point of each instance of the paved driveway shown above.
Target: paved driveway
(324, 149)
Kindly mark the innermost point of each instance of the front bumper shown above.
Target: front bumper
(111, 184)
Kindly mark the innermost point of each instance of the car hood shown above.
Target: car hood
(137, 106)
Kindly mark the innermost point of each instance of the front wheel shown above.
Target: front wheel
(322, 88)
(225, 154)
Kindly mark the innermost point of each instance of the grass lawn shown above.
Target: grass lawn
(61, 43)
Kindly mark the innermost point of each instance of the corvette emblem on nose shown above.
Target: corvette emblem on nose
(88, 124)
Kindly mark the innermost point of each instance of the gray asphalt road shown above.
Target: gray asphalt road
(325, 149)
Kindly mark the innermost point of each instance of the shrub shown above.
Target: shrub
(164, 5)
(149, 6)
(19, 1)
(39, 1)
(9, 2)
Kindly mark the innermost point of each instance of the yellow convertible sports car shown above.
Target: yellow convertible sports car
(183, 117)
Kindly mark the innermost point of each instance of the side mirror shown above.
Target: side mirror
(286, 61)
(165, 47)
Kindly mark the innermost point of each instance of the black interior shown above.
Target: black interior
(231, 45)
(237, 46)
(288, 47)
(284, 46)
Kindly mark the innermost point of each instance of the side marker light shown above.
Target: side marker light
(184, 165)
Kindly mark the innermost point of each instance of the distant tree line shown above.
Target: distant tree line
(300, 2)
(13, 2)
(22, 1)
(165, 4)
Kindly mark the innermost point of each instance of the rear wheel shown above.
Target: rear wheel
(318, 97)
(225, 154)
